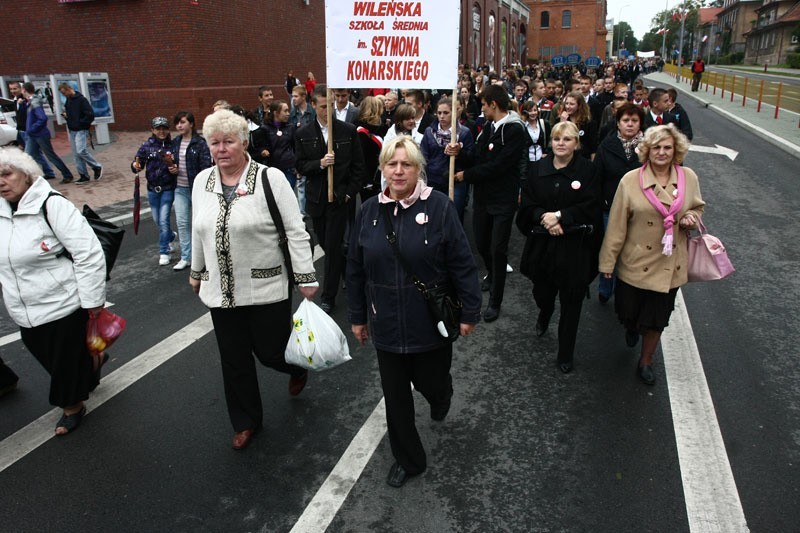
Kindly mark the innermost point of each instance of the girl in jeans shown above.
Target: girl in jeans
(158, 160)
(191, 155)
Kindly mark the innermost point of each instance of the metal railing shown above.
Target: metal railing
(768, 96)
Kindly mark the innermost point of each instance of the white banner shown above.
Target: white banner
(392, 44)
(646, 54)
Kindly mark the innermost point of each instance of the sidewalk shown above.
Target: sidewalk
(756, 69)
(783, 132)
(112, 195)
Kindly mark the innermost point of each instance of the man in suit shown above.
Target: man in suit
(501, 154)
(349, 174)
(658, 115)
(345, 110)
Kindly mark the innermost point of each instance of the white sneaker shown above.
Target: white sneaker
(180, 265)
(163, 259)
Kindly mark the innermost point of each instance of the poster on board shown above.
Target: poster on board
(97, 89)
(44, 89)
(403, 45)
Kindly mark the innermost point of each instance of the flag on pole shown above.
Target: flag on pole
(705, 38)
(662, 31)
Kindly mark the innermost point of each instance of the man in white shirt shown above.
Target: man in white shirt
(344, 109)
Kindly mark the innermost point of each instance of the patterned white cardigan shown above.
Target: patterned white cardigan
(235, 251)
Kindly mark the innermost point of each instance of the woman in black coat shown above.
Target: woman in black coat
(560, 217)
(616, 156)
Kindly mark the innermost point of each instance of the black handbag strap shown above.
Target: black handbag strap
(283, 241)
(64, 252)
(391, 236)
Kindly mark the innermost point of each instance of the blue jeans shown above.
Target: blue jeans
(77, 140)
(301, 193)
(291, 176)
(183, 217)
(161, 209)
(460, 195)
(23, 140)
(605, 286)
(36, 147)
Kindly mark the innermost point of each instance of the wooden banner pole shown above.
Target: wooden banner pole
(329, 99)
(453, 140)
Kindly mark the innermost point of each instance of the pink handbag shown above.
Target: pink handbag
(708, 260)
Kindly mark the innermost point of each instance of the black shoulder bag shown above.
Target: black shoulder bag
(442, 300)
(283, 241)
(109, 234)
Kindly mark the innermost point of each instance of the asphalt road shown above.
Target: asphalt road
(524, 447)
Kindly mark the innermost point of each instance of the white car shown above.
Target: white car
(8, 122)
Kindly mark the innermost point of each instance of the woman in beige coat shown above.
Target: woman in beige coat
(651, 255)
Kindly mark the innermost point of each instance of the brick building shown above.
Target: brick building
(734, 21)
(772, 37)
(566, 27)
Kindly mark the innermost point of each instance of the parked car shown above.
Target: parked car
(8, 122)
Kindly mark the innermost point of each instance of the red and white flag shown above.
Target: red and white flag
(705, 38)
(662, 31)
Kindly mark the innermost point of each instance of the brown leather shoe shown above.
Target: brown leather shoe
(297, 384)
(242, 439)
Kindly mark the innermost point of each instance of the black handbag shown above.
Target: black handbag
(109, 234)
(442, 300)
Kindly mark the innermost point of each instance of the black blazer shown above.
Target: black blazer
(348, 171)
(500, 160)
(667, 118)
(612, 164)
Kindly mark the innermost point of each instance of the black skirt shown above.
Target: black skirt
(60, 346)
(641, 309)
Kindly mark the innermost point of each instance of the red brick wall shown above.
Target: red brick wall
(167, 55)
(587, 30)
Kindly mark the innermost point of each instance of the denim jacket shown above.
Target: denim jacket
(198, 156)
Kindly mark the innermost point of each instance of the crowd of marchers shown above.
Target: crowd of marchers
(587, 163)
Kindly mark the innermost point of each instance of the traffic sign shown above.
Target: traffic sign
(573, 59)
(558, 61)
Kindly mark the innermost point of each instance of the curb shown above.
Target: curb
(787, 146)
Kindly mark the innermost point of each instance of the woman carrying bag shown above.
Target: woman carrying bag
(49, 296)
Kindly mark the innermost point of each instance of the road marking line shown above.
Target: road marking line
(14, 337)
(118, 218)
(16, 446)
(325, 504)
(712, 499)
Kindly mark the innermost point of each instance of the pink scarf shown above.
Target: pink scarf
(420, 191)
(668, 215)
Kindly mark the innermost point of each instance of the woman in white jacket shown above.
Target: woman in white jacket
(49, 296)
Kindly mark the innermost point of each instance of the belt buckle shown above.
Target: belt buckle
(157, 188)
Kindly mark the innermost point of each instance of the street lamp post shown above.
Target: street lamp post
(619, 19)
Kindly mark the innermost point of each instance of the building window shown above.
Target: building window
(476, 35)
(491, 41)
(503, 60)
(545, 23)
(566, 18)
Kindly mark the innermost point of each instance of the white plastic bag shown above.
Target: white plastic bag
(316, 341)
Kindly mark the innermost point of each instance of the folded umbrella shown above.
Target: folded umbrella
(137, 205)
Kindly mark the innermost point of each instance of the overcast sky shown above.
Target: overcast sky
(638, 13)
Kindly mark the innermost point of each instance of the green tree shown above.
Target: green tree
(650, 42)
(623, 33)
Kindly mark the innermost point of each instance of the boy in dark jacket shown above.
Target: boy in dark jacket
(155, 156)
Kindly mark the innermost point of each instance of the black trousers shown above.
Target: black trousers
(60, 347)
(330, 228)
(262, 330)
(430, 374)
(571, 300)
(492, 233)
